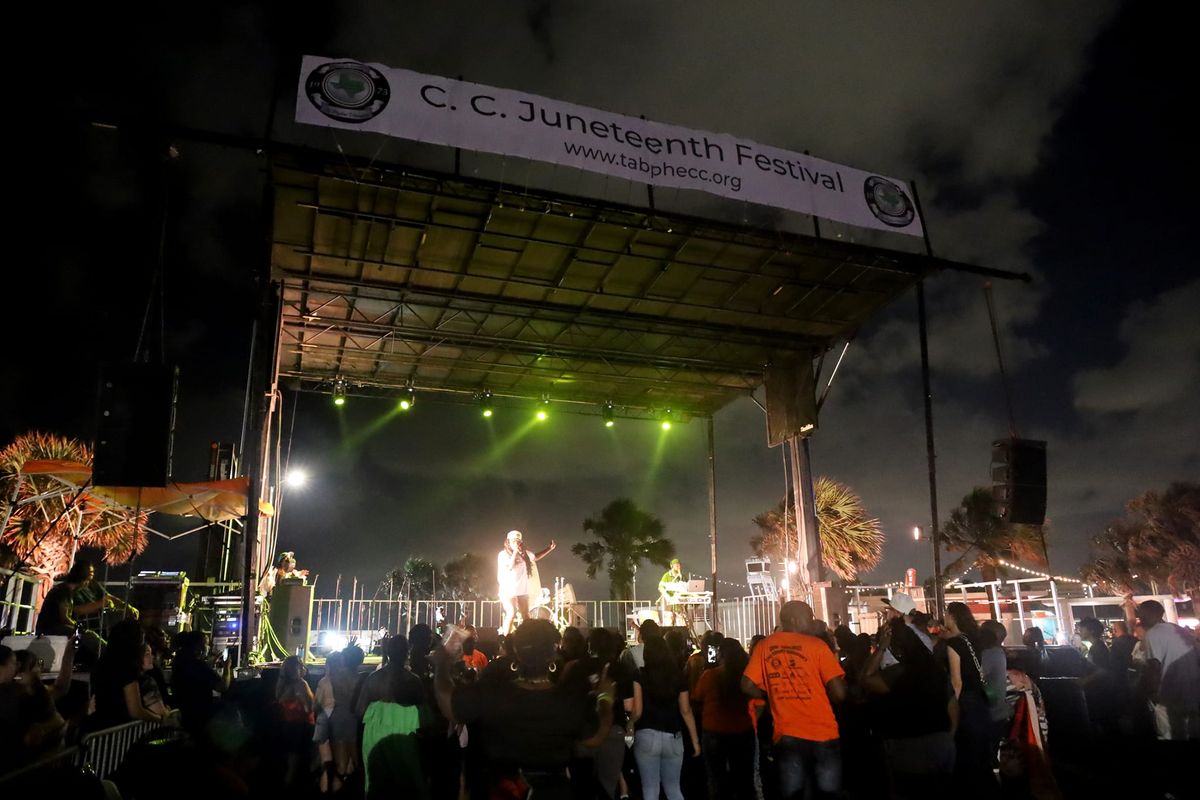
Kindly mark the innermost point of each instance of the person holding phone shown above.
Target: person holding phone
(727, 730)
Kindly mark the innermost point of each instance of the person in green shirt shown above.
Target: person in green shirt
(668, 589)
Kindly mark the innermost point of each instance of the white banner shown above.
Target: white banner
(426, 108)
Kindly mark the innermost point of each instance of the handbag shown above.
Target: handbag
(988, 691)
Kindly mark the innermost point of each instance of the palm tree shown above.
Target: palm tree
(44, 533)
(625, 536)
(463, 578)
(1157, 541)
(975, 527)
(417, 579)
(851, 541)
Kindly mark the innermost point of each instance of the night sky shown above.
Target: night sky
(1045, 138)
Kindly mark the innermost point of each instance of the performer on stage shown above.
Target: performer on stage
(286, 570)
(516, 571)
(668, 589)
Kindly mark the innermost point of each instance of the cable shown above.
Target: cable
(991, 307)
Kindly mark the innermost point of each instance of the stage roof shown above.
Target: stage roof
(393, 279)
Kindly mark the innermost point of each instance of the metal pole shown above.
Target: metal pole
(930, 454)
(809, 555)
(712, 504)
(938, 590)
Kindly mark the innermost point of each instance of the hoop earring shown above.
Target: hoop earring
(553, 668)
(512, 665)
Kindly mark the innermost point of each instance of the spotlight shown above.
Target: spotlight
(295, 478)
(339, 392)
(666, 424)
(408, 399)
(609, 416)
(544, 409)
(485, 404)
(666, 419)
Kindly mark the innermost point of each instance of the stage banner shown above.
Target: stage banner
(339, 93)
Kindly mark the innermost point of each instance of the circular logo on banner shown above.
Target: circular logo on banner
(888, 202)
(348, 91)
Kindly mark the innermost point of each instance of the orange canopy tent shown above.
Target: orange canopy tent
(210, 501)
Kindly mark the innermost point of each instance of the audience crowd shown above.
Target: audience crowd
(921, 709)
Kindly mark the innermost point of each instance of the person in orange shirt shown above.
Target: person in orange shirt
(727, 730)
(471, 656)
(800, 678)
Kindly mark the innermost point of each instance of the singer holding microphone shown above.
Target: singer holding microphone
(516, 572)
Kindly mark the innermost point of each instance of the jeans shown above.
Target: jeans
(729, 759)
(808, 769)
(660, 759)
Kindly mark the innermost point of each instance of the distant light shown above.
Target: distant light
(541, 415)
(608, 423)
(609, 414)
(485, 404)
(543, 411)
(487, 412)
(339, 392)
(335, 641)
(792, 566)
(405, 405)
(666, 424)
(916, 533)
(665, 416)
(295, 478)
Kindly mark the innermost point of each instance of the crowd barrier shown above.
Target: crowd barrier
(99, 753)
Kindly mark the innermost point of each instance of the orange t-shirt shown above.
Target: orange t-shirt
(476, 660)
(793, 668)
(718, 714)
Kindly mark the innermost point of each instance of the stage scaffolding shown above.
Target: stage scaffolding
(382, 280)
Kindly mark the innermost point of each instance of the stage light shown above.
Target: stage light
(339, 392)
(544, 409)
(665, 418)
(295, 478)
(609, 414)
(408, 399)
(485, 404)
(666, 424)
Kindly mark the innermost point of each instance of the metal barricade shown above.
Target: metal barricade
(43, 772)
(742, 618)
(103, 751)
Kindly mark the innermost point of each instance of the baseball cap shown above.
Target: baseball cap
(514, 536)
(901, 602)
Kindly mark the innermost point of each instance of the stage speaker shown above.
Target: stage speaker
(134, 426)
(791, 397)
(1019, 480)
(291, 616)
(161, 600)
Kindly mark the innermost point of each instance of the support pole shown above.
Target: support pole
(808, 556)
(712, 508)
(938, 590)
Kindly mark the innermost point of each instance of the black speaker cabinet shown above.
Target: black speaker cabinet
(134, 425)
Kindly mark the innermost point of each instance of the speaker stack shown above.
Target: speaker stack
(134, 425)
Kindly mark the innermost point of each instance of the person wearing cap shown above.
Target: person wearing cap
(516, 572)
(668, 588)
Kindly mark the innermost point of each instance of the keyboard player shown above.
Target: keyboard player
(670, 586)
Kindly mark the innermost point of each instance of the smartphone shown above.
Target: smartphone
(712, 654)
(225, 654)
